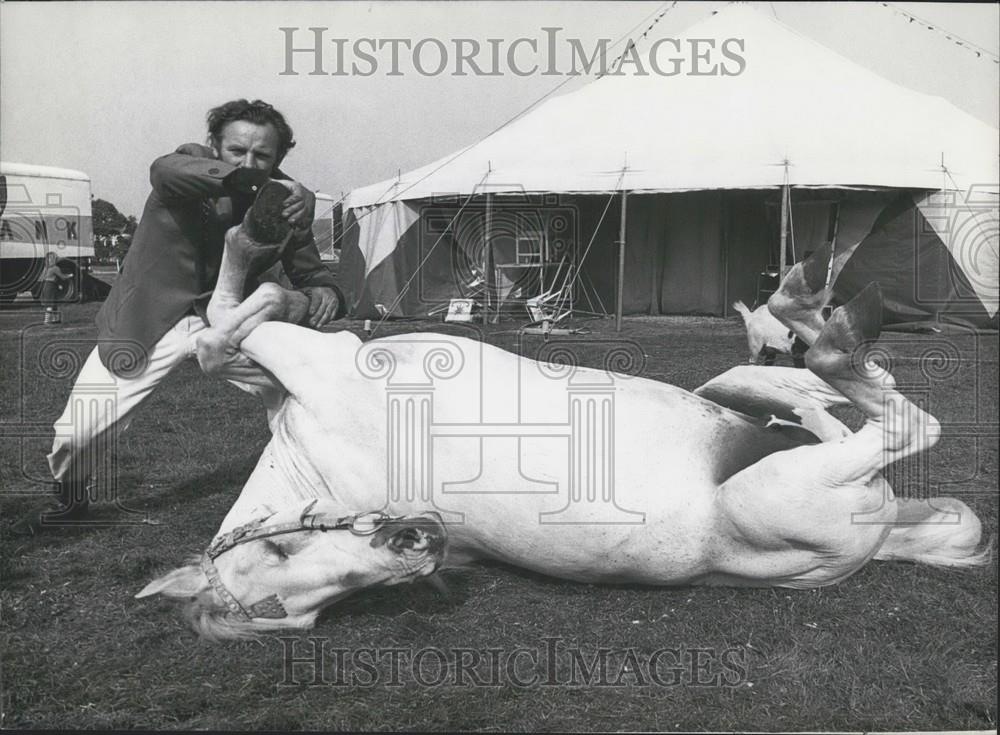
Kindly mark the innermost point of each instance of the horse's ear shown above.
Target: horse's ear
(183, 582)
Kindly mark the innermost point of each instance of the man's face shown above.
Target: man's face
(248, 145)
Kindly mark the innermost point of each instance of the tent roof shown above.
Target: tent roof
(833, 121)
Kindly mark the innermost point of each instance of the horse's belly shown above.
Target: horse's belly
(575, 477)
(663, 545)
(572, 509)
(487, 421)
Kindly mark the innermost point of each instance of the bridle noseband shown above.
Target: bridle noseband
(360, 524)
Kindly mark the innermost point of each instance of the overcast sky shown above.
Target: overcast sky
(107, 87)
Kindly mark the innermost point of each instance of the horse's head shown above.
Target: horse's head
(281, 571)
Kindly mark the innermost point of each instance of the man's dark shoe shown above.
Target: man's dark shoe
(73, 495)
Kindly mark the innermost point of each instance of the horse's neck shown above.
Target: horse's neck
(283, 476)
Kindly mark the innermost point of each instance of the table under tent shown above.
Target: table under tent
(679, 195)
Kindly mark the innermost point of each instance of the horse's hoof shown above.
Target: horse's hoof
(848, 335)
(815, 267)
(263, 221)
(862, 315)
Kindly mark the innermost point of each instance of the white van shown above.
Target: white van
(42, 210)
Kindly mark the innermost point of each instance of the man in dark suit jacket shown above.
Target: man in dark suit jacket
(149, 322)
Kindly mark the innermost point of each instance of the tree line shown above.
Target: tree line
(112, 231)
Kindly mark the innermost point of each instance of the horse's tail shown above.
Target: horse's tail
(942, 532)
(743, 310)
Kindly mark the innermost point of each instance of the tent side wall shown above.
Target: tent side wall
(422, 268)
(686, 252)
(918, 276)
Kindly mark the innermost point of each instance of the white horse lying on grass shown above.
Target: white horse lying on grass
(466, 451)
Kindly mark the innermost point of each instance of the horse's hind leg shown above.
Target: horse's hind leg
(940, 531)
(936, 530)
(814, 514)
(838, 353)
(840, 356)
(799, 301)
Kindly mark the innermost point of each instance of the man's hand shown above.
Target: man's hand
(323, 304)
(300, 206)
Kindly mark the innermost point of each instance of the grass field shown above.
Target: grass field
(896, 646)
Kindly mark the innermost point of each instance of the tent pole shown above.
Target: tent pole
(621, 263)
(486, 261)
(784, 231)
(724, 236)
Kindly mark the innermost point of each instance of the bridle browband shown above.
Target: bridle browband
(360, 524)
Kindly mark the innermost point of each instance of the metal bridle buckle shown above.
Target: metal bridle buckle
(366, 524)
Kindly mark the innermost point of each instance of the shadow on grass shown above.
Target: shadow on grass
(220, 487)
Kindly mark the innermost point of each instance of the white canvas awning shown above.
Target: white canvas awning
(797, 110)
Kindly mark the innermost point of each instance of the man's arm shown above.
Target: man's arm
(301, 261)
(303, 265)
(308, 274)
(192, 172)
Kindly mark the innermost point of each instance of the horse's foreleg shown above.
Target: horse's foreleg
(231, 317)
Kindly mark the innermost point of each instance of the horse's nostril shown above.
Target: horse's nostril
(410, 538)
(422, 534)
(412, 534)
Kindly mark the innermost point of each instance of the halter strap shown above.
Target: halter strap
(271, 607)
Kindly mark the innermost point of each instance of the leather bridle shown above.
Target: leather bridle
(360, 524)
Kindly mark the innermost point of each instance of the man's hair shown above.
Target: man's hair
(257, 112)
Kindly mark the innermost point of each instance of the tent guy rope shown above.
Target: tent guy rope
(416, 271)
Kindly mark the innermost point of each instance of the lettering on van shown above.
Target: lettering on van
(41, 228)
